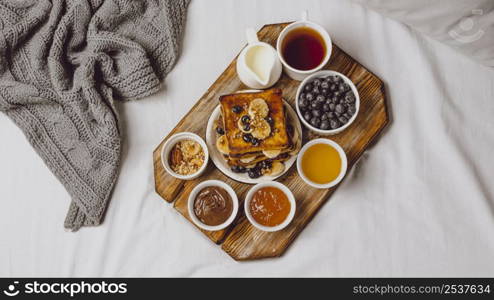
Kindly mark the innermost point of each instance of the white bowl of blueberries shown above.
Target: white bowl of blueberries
(327, 102)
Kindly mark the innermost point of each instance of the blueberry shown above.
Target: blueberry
(342, 88)
(309, 96)
(329, 79)
(247, 137)
(351, 110)
(346, 115)
(316, 90)
(324, 85)
(237, 109)
(332, 107)
(325, 125)
(315, 105)
(238, 169)
(330, 115)
(315, 121)
(337, 114)
(324, 117)
(325, 91)
(265, 164)
(270, 120)
(302, 103)
(334, 124)
(337, 79)
(246, 127)
(332, 87)
(307, 116)
(220, 131)
(350, 97)
(302, 96)
(343, 120)
(340, 108)
(308, 87)
(320, 98)
(334, 99)
(325, 107)
(337, 94)
(317, 82)
(245, 119)
(316, 113)
(254, 173)
(255, 141)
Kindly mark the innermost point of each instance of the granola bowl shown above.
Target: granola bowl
(185, 156)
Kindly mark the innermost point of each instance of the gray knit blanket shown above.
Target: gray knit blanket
(63, 64)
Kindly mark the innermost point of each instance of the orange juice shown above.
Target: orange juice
(321, 163)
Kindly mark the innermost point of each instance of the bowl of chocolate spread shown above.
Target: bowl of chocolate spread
(213, 205)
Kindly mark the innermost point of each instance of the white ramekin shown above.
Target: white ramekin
(344, 163)
(288, 194)
(192, 198)
(322, 74)
(165, 153)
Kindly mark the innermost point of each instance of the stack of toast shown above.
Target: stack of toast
(255, 135)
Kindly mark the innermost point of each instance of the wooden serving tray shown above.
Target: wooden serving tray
(241, 240)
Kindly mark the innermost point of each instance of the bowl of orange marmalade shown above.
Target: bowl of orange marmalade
(322, 163)
(270, 206)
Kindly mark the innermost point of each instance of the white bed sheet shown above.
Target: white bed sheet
(419, 203)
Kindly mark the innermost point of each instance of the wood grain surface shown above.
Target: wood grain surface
(241, 240)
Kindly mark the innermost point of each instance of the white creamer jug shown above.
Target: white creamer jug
(258, 65)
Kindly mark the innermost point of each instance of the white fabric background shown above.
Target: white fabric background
(466, 25)
(420, 203)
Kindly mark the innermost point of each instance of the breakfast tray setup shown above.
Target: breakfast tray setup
(241, 240)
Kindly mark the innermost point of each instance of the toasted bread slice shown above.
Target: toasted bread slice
(278, 138)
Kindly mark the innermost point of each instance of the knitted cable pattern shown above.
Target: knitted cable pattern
(63, 63)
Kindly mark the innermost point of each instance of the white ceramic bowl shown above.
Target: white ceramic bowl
(288, 194)
(321, 74)
(192, 198)
(344, 163)
(165, 153)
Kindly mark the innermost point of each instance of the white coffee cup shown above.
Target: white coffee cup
(291, 71)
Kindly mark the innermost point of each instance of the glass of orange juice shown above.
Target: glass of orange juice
(322, 163)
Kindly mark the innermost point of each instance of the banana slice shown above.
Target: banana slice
(258, 108)
(197, 162)
(276, 169)
(261, 129)
(247, 160)
(241, 127)
(271, 153)
(222, 145)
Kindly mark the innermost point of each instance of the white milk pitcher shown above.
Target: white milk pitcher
(258, 65)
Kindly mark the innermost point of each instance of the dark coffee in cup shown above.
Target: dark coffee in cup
(303, 48)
